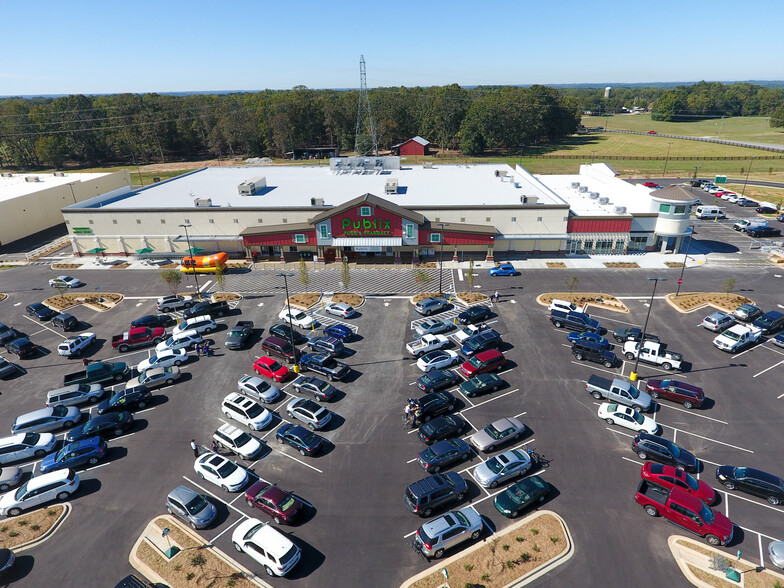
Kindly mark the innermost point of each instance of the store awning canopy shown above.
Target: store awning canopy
(145, 250)
(194, 250)
(96, 250)
(367, 242)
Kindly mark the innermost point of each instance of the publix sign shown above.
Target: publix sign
(366, 227)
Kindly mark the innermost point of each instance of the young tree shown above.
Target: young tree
(345, 274)
(470, 276)
(571, 284)
(422, 278)
(729, 285)
(61, 287)
(173, 278)
(220, 276)
(304, 278)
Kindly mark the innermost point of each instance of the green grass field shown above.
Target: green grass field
(739, 128)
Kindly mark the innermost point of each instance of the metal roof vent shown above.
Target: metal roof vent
(604, 200)
(575, 185)
(59, 174)
(582, 189)
(252, 185)
(202, 202)
(620, 210)
(593, 195)
(6, 175)
(32, 179)
(391, 186)
(499, 173)
(317, 202)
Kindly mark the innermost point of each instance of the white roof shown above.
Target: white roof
(17, 185)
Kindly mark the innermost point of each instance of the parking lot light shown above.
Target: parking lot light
(685, 257)
(286, 276)
(188, 241)
(633, 375)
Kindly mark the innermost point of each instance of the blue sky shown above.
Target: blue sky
(172, 45)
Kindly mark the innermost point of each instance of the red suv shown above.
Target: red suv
(686, 394)
(486, 361)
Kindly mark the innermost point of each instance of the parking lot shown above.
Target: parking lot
(356, 529)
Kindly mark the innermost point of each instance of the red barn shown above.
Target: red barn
(415, 146)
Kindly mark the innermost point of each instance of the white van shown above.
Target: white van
(709, 212)
(200, 324)
(184, 340)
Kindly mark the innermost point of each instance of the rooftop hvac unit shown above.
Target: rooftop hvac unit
(59, 174)
(32, 179)
(582, 189)
(391, 186)
(620, 210)
(604, 200)
(533, 199)
(202, 202)
(500, 173)
(575, 185)
(593, 195)
(6, 175)
(252, 185)
(317, 202)
(427, 165)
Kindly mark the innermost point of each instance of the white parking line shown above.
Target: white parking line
(768, 369)
(727, 494)
(762, 554)
(239, 520)
(593, 367)
(215, 496)
(491, 399)
(752, 348)
(631, 460)
(42, 326)
(620, 432)
(302, 462)
(707, 438)
(98, 466)
(702, 416)
(204, 287)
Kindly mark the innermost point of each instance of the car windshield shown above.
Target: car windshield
(170, 341)
(493, 432)
(691, 482)
(496, 464)
(227, 469)
(60, 411)
(242, 439)
(473, 344)
(196, 505)
(740, 473)
(765, 321)
(634, 392)
(252, 532)
(428, 454)
(474, 362)
(275, 366)
(300, 316)
(522, 495)
(461, 518)
(638, 417)
(426, 379)
(307, 438)
(31, 438)
(255, 410)
(153, 359)
(731, 335)
(21, 492)
(707, 515)
(61, 454)
(676, 451)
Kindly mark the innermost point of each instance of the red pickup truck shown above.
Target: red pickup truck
(138, 337)
(687, 511)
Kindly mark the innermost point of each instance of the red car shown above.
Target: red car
(277, 503)
(671, 477)
(486, 361)
(651, 185)
(686, 394)
(266, 366)
(651, 132)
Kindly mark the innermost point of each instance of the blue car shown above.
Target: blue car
(778, 340)
(339, 331)
(83, 452)
(588, 336)
(504, 269)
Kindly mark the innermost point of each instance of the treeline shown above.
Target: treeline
(714, 100)
(140, 128)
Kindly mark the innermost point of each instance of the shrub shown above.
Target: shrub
(51, 512)
(189, 576)
(519, 539)
(510, 564)
(13, 533)
(505, 547)
(23, 522)
(231, 581)
(35, 527)
(535, 531)
(3, 529)
(485, 578)
(198, 560)
(535, 548)
(525, 556)
(554, 539)
(468, 567)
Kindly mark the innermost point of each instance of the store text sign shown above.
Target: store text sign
(379, 224)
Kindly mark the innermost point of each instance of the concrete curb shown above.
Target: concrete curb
(46, 536)
(599, 305)
(668, 299)
(684, 556)
(153, 576)
(521, 581)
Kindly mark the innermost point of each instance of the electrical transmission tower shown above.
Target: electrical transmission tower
(365, 142)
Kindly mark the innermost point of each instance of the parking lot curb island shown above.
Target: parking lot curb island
(152, 575)
(534, 574)
(35, 542)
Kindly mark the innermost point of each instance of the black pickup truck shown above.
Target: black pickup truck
(322, 363)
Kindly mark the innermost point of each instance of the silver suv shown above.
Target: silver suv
(453, 528)
(428, 306)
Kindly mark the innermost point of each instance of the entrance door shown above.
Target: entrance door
(572, 247)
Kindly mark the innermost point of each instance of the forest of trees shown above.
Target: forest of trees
(714, 100)
(140, 128)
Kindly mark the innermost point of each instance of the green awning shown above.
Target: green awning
(194, 250)
(97, 250)
(145, 250)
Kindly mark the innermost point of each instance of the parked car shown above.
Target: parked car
(239, 334)
(75, 346)
(65, 282)
(780, 218)
(281, 506)
(521, 495)
(486, 361)
(57, 485)
(688, 395)
(309, 412)
(664, 451)
(503, 269)
(67, 322)
(442, 427)
(326, 365)
(329, 345)
(7, 368)
(339, 331)
(163, 359)
(221, 471)
(745, 202)
(778, 340)
(751, 480)
(442, 454)
(185, 340)
(672, 477)
(245, 411)
(258, 389)
(298, 318)
(480, 384)
(267, 546)
(508, 464)
(210, 309)
(282, 348)
(425, 496)
(438, 359)
(622, 335)
(239, 442)
(747, 312)
(576, 321)
(474, 314)
(497, 433)
(156, 377)
(300, 438)
(434, 327)
(650, 184)
(565, 306)
(75, 394)
(759, 231)
(191, 507)
(9, 477)
(591, 337)
(776, 553)
(433, 404)
(47, 419)
(437, 380)
(24, 446)
(716, 322)
(172, 303)
(340, 309)
(7, 334)
(594, 351)
(770, 323)
(154, 320)
(315, 387)
(270, 368)
(133, 398)
(627, 417)
(447, 531)
(112, 424)
(766, 210)
(488, 339)
(22, 348)
(87, 451)
(200, 323)
(430, 305)
(287, 333)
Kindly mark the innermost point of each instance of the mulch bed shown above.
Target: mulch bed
(346, 298)
(28, 526)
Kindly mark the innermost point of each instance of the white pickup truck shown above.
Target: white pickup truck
(426, 343)
(467, 331)
(654, 353)
(737, 337)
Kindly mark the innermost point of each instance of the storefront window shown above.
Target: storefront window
(637, 243)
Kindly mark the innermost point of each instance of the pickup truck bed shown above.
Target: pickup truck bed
(653, 492)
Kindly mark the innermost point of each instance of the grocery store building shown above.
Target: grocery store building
(374, 207)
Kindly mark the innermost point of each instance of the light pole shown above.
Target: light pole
(685, 257)
(286, 276)
(667, 159)
(747, 176)
(188, 240)
(441, 259)
(633, 375)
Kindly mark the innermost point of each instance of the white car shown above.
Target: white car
(246, 411)
(200, 324)
(258, 389)
(165, 358)
(506, 465)
(624, 416)
(56, 485)
(239, 442)
(221, 472)
(268, 546)
(436, 360)
(340, 309)
(565, 306)
(65, 282)
(733, 198)
(73, 346)
(298, 317)
(185, 340)
(434, 327)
